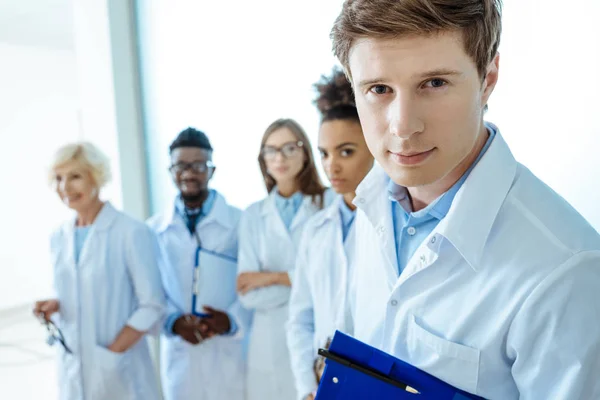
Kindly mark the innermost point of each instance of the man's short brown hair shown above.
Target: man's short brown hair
(478, 20)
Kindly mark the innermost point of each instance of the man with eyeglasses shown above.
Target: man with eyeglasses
(201, 348)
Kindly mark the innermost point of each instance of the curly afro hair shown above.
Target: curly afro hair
(335, 97)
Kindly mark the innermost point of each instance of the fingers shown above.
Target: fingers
(37, 308)
(245, 287)
(204, 333)
(244, 279)
(194, 330)
(203, 328)
(190, 338)
(210, 310)
(241, 283)
(45, 309)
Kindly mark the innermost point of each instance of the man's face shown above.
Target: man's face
(420, 101)
(191, 169)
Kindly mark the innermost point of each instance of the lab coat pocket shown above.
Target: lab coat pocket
(451, 362)
(111, 378)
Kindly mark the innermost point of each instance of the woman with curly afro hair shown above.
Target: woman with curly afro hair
(318, 300)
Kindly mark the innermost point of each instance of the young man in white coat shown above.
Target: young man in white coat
(201, 348)
(468, 266)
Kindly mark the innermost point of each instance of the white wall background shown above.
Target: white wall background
(229, 73)
(38, 103)
(547, 102)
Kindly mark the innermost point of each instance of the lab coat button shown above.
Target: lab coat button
(411, 230)
(394, 303)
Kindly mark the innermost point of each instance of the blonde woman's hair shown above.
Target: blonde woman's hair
(90, 157)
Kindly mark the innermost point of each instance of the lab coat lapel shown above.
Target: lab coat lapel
(372, 199)
(218, 215)
(306, 210)
(100, 227)
(68, 245)
(273, 219)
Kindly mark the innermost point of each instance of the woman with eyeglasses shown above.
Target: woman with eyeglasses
(108, 287)
(319, 295)
(269, 234)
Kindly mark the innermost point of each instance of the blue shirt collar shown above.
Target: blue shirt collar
(295, 199)
(203, 211)
(439, 207)
(346, 213)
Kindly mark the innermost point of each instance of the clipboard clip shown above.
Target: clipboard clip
(366, 370)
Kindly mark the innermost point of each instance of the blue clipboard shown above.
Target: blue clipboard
(214, 281)
(355, 370)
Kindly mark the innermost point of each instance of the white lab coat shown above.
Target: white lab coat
(266, 245)
(500, 300)
(319, 292)
(215, 368)
(115, 283)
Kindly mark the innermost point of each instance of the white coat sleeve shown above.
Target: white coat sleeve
(301, 325)
(555, 336)
(241, 316)
(173, 292)
(347, 313)
(242, 319)
(142, 262)
(54, 249)
(248, 261)
(55, 243)
(345, 322)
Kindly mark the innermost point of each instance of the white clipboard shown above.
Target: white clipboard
(214, 281)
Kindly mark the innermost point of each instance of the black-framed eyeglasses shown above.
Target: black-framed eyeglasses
(197, 166)
(288, 150)
(54, 334)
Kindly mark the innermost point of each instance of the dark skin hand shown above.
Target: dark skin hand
(216, 324)
(194, 329)
(190, 328)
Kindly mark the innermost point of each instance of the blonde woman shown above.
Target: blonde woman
(107, 284)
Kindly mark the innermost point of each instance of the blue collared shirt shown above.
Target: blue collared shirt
(81, 233)
(412, 228)
(501, 300)
(288, 207)
(196, 214)
(347, 216)
(192, 217)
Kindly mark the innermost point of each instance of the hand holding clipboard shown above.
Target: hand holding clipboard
(355, 370)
